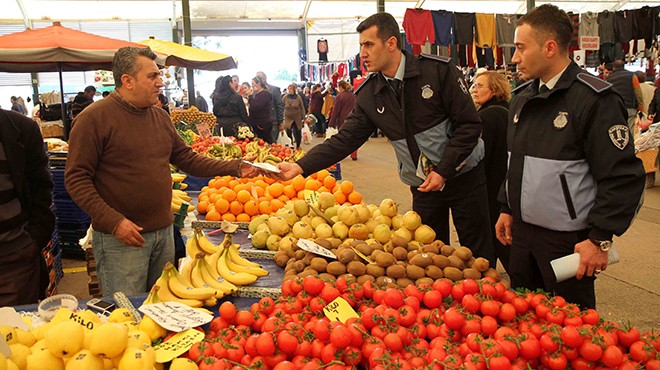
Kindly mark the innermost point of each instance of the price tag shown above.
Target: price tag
(339, 310)
(64, 314)
(311, 196)
(177, 345)
(310, 246)
(4, 347)
(204, 130)
(175, 316)
(9, 316)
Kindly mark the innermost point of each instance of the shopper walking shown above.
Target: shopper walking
(316, 107)
(260, 109)
(294, 114)
(118, 172)
(276, 106)
(627, 85)
(416, 101)
(343, 106)
(573, 180)
(228, 107)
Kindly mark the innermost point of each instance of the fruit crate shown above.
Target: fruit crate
(59, 190)
(67, 211)
(335, 171)
(58, 267)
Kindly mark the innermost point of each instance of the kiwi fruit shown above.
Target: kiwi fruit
(356, 268)
(299, 266)
(452, 273)
(350, 278)
(431, 248)
(335, 242)
(422, 260)
(289, 277)
(300, 254)
(385, 259)
(455, 261)
(447, 250)
(288, 250)
(438, 243)
(308, 258)
(464, 253)
(492, 273)
(336, 268)
(325, 243)
(470, 273)
(327, 277)
(281, 259)
(404, 282)
(414, 272)
(415, 245)
(319, 264)
(396, 271)
(305, 273)
(440, 260)
(425, 280)
(365, 249)
(481, 264)
(375, 270)
(375, 244)
(398, 241)
(385, 281)
(376, 253)
(469, 262)
(412, 254)
(361, 279)
(400, 253)
(434, 272)
(345, 255)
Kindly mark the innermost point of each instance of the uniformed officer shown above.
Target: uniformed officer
(423, 107)
(573, 179)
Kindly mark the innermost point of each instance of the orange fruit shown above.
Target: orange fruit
(202, 197)
(289, 191)
(243, 196)
(329, 182)
(323, 189)
(222, 205)
(321, 175)
(265, 208)
(236, 207)
(269, 180)
(229, 217)
(312, 184)
(276, 204)
(213, 216)
(298, 183)
(301, 194)
(261, 183)
(232, 183)
(214, 197)
(202, 207)
(251, 208)
(212, 183)
(221, 182)
(259, 190)
(340, 197)
(229, 195)
(204, 189)
(346, 187)
(276, 189)
(283, 198)
(355, 197)
(243, 217)
(211, 191)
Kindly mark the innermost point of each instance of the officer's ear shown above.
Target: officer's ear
(391, 43)
(551, 48)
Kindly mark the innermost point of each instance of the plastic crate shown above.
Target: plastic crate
(336, 172)
(68, 211)
(58, 181)
(58, 267)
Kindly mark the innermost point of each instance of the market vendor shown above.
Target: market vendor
(421, 103)
(573, 180)
(118, 172)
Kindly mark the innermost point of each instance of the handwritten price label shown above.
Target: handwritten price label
(310, 246)
(177, 345)
(204, 130)
(339, 310)
(311, 196)
(175, 316)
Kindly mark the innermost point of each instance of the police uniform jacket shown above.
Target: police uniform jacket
(572, 163)
(435, 115)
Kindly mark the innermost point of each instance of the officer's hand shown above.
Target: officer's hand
(129, 233)
(592, 259)
(503, 229)
(434, 182)
(287, 171)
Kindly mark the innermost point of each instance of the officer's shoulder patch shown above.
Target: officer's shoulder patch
(370, 76)
(435, 57)
(522, 87)
(596, 84)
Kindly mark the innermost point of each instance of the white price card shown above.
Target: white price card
(9, 316)
(204, 130)
(4, 347)
(310, 246)
(263, 166)
(175, 316)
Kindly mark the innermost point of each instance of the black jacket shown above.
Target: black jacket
(28, 164)
(654, 106)
(230, 109)
(494, 115)
(435, 116)
(572, 163)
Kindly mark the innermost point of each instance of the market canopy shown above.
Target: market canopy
(190, 57)
(51, 48)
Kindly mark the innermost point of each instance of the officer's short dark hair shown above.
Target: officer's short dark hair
(551, 22)
(387, 27)
(125, 62)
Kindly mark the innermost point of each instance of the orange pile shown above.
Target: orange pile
(231, 199)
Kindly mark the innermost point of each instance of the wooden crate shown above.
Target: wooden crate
(648, 158)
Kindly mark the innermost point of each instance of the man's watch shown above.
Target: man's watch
(604, 245)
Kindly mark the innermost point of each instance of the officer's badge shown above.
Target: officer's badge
(427, 93)
(380, 110)
(515, 119)
(619, 135)
(561, 120)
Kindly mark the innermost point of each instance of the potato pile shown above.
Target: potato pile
(193, 115)
(397, 262)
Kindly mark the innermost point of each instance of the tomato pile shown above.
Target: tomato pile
(464, 325)
(201, 145)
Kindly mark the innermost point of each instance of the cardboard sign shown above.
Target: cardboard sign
(175, 316)
(4, 347)
(9, 316)
(310, 246)
(339, 310)
(177, 345)
(311, 196)
(204, 130)
(589, 42)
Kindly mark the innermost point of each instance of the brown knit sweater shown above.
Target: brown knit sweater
(118, 164)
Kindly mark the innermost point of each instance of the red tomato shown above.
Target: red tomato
(453, 318)
(548, 342)
(408, 316)
(591, 351)
(393, 342)
(612, 357)
(200, 349)
(520, 304)
(499, 363)
(227, 311)
(412, 291)
(627, 338)
(557, 361)
(507, 312)
(509, 349)
(571, 336)
(573, 319)
(638, 352)
(340, 336)
(329, 293)
(313, 285)
(490, 308)
(244, 318)
(287, 342)
(457, 292)
(322, 330)
(432, 299)
(265, 344)
(285, 365)
(590, 316)
(443, 286)
(653, 365)
(470, 303)
(352, 356)
(530, 349)
(488, 325)
(393, 298)
(330, 353)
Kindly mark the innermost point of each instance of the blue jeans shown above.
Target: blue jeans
(128, 269)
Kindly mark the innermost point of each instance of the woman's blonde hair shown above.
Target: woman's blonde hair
(498, 84)
(344, 85)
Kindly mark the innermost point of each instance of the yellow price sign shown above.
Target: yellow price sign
(177, 345)
(311, 196)
(339, 310)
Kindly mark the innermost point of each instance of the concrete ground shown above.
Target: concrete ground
(626, 292)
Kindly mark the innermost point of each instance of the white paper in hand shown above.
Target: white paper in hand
(566, 267)
(263, 166)
(175, 316)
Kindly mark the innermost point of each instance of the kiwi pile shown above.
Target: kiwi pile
(398, 262)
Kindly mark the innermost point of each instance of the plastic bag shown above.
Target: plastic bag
(306, 134)
(330, 131)
(283, 138)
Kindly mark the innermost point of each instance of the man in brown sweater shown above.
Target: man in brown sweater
(118, 172)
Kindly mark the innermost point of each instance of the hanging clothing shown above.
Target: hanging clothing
(322, 48)
(418, 24)
(342, 70)
(575, 19)
(485, 57)
(485, 30)
(588, 24)
(656, 20)
(644, 24)
(623, 25)
(506, 28)
(464, 28)
(606, 27)
(443, 24)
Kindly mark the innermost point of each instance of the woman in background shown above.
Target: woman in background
(294, 113)
(343, 106)
(259, 119)
(228, 106)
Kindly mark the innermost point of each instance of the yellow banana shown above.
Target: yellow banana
(183, 186)
(178, 177)
(181, 195)
(153, 296)
(257, 271)
(178, 287)
(186, 270)
(176, 200)
(211, 301)
(164, 294)
(237, 259)
(205, 244)
(214, 280)
(192, 248)
(236, 278)
(175, 208)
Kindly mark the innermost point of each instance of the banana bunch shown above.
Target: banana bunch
(178, 177)
(172, 286)
(252, 149)
(234, 268)
(298, 154)
(179, 197)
